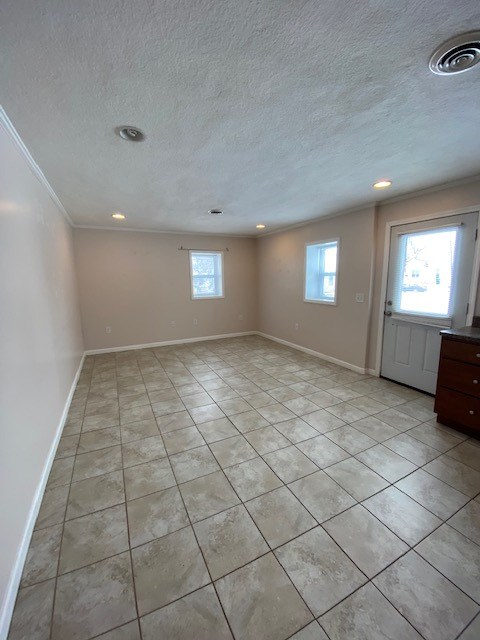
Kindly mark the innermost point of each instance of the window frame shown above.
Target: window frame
(215, 253)
(334, 302)
(399, 274)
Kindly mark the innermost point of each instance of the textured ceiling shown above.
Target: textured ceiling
(277, 111)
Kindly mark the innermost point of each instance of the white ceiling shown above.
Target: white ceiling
(277, 111)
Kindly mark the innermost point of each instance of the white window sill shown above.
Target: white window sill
(331, 303)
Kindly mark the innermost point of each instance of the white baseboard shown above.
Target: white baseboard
(311, 352)
(167, 343)
(16, 575)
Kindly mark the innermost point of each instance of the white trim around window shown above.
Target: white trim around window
(320, 280)
(211, 285)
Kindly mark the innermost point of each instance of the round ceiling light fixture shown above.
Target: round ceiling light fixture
(260, 226)
(457, 55)
(131, 133)
(215, 212)
(118, 216)
(382, 184)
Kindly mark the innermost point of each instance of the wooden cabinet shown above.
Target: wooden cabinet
(457, 399)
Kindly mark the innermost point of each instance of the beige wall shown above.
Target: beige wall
(138, 283)
(41, 347)
(424, 204)
(349, 331)
(339, 331)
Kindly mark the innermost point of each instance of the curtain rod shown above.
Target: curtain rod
(202, 250)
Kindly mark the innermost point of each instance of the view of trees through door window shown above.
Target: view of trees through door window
(427, 272)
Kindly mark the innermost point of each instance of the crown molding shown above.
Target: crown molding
(433, 189)
(171, 233)
(327, 216)
(13, 134)
(375, 204)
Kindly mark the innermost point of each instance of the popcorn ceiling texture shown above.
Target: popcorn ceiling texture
(275, 111)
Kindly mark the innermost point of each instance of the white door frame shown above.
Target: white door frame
(386, 257)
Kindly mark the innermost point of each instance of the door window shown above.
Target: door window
(425, 276)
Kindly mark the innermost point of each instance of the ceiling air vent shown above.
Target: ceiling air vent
(457, 55)
(130, 133)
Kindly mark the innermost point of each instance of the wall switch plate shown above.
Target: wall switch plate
(108, 329)
(172, 323)
(240, 317)
(359, 297)
(296, 326)
(195, 321)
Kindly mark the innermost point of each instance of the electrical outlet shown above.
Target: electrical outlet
(172, 323)
(195, 321)
(359, 297)
(296, 326)
(108, 329)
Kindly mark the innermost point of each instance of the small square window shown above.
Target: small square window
(321, 265)
(206, 271)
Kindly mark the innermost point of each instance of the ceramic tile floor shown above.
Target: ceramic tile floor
(238, 488)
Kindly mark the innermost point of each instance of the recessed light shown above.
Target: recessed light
(260, 226)
(130, 133)
(118, 216)
(382, 184)
(215, 212)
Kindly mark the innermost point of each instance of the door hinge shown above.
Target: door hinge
(468, 307)
(476, 234)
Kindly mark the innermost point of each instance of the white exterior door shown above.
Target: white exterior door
(429, 279)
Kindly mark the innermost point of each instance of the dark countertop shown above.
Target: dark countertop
(466, 334)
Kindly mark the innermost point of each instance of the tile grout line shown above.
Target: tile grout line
(325, 434)
(409, 547)
(63, 525)
(269, 547)
(254, 524)
(134, 586)
(240, 503)
(321, 468)
(293, 444)
(196, 540)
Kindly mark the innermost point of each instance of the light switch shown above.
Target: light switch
(359, 297)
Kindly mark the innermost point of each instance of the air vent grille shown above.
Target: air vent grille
(130, 133)
(457, 55)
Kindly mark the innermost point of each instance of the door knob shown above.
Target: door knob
(387, 313)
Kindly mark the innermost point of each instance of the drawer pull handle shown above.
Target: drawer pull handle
(471, 412)
(475, 381)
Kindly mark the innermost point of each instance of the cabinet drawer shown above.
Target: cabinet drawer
(458, 407)
(462, 351)
(459, 376)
